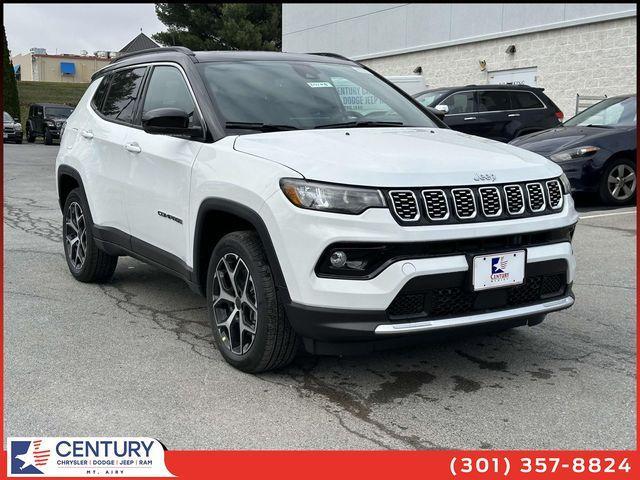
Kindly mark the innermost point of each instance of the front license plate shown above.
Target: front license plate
(498, 270)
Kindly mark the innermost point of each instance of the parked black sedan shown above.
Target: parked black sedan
(596, 149)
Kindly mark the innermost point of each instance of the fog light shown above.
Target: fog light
(338, 259)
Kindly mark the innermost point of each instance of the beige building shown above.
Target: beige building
(33, 67)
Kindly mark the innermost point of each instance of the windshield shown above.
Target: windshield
(62, 112)
(428, 98)
(305, 95)
(611, 112)
(6, 117)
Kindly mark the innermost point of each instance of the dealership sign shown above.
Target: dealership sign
(86, 457)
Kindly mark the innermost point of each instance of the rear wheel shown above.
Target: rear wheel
(618, 184)
(86, 262)
(249, 326)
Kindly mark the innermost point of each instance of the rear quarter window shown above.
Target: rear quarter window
(524, 101)
(101, 91)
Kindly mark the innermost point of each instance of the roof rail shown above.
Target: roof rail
(184, 50)
(333, 55)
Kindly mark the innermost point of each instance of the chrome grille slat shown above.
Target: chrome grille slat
(535, 195)
(436, 205)
(490, 201)
(514, 198)
(464, 202)
(554, 191)
(405, 205)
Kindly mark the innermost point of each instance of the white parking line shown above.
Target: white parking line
(628, 212)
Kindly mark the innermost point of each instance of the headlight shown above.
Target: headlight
(328, 197)
(17, 126)
(49, 123)
(573, 153)
(566, 185)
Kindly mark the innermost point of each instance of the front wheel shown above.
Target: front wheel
(618, 184)
(30, 136)
(249, 325)
(48, 138)
(86, 262)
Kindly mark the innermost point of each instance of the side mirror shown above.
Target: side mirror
(443, 108)
(437, 112)
(168, 121)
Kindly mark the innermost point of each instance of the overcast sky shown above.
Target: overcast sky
(71, 28)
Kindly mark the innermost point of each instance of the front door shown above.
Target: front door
(462, 112)
(158, 199)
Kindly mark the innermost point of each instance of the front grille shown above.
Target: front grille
(515, 199)
(536, 197)
(490, 201)
(436, 205)
(464, 202)
(555, 194)
(449, 301)
(448, 205)
(405, 205)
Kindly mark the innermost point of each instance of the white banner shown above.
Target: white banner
(86, 457)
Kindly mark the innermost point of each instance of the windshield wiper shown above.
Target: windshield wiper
(362, 123)
(262, 127)
(599, 126)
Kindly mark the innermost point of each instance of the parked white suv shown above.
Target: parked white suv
(311, 200)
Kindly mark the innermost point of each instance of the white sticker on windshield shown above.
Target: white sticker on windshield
(320, 84)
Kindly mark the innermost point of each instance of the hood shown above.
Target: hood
(396, 157)
(562, 138)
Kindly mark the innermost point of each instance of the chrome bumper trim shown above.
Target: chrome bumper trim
(427, 325)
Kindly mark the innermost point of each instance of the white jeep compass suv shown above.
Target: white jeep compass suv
(312, 201)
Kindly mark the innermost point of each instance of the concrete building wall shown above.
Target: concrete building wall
(593, 59)
(46, 68)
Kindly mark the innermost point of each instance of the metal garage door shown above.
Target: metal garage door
(517, 76)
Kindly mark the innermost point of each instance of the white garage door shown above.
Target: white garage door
(518, 76)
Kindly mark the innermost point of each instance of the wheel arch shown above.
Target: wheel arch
(234, 216)
(67, 178)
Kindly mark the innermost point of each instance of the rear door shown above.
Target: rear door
(529, 113)
(160, 175)
(104, 134)
(462, 112)
(493, 114)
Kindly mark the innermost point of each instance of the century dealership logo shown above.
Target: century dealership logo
(498, 267)
(86, 457)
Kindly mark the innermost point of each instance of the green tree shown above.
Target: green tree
(221, 26)
(10, 100)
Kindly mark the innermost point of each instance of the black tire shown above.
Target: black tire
(606, 195)
(19, 140)
(30, 136)
(274, 343)
(97, 265)
(48, 138)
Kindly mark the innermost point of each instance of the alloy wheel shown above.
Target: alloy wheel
(621, 182)
(235, 305)
(75, 235)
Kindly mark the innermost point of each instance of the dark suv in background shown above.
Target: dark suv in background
(46, 120)
(498, 112)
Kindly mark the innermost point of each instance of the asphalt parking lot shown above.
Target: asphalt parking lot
(135, 357)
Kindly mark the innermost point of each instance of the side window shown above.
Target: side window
(524, 100)
(460, 103)
(493, 101)
(123, 92)
(167, 88)
(101, 91)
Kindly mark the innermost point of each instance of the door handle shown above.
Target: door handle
(133, 148)
(469, 118)
(513, 115)
(87, 134)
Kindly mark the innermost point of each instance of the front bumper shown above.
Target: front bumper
(12, 135)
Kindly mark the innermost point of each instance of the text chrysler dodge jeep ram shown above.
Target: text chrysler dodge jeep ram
(310, 200)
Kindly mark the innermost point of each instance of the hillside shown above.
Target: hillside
(48, 92)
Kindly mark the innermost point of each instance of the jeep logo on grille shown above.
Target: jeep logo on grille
(485, 177)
